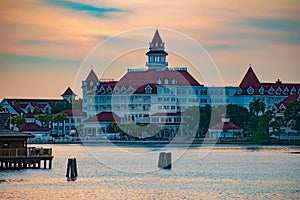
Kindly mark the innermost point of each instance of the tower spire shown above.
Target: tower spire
(156, 54)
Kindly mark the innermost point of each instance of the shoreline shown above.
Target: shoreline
(205, 146)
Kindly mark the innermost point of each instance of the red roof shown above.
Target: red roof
(250, 79)
(29, 115)
(91, 77)
(30, 127)
(139, 78)
(76, 113)
(40, 103)
(68, 92)
(286, 101)
(142, 89)
(225, 125)
(104, 117)
(156, 38)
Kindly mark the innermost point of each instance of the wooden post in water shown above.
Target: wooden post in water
(71, 169)
(165, 160)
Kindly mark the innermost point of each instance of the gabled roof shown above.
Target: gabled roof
(91, 77)
(290, 99)
(72, 113)
(225, 125)
(250, 80)
(68, 92)
(31, 127)
(139, 78)
(40, 103)
(104, 117)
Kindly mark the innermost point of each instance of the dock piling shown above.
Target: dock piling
(165, 161)
(71, 169)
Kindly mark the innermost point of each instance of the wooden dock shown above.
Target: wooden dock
(33, 158)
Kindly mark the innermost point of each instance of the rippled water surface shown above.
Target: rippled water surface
(107, 174)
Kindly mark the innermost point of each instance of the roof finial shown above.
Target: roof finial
(92, 66)
(250, 65)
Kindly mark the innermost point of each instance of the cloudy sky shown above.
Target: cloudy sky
(44, 42)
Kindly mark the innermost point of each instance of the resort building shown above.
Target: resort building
(251, 88)
(158, 94)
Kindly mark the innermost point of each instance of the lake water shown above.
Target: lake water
(105, 173)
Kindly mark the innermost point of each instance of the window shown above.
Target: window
(261, 90)
(293, 90)
(166, 107)
(159, 99)
(148, 89)
(174, 81)
(250, 90)
(278, 90)
(91, 83)
(173, 107)
(166, 81)
(271, 90)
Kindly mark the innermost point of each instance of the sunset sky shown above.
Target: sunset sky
(44, 43)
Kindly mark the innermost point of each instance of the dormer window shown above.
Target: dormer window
(116, 90)
(123, 89)
(158, 81)
(282, 108)
(166, 81)
(293, 90)
(102, 90)
(299, 91)
(156, 44)
(98, 83)
(250, 90)
(278, 90)
(271, 90)
(109, 90)
(148, 89)
(91, 83)
(130, 89)
(261, 90)
(174, 81)
(285, 91)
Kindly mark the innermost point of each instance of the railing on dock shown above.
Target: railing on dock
(31, 152)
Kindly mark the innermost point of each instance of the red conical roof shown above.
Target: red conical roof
(156, 38)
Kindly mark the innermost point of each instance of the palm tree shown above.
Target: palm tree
(257, 106)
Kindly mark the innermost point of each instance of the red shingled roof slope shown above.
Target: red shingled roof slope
(225, 125)
(104, 117)
(68, 92)
(139, 78)
(30, 127)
